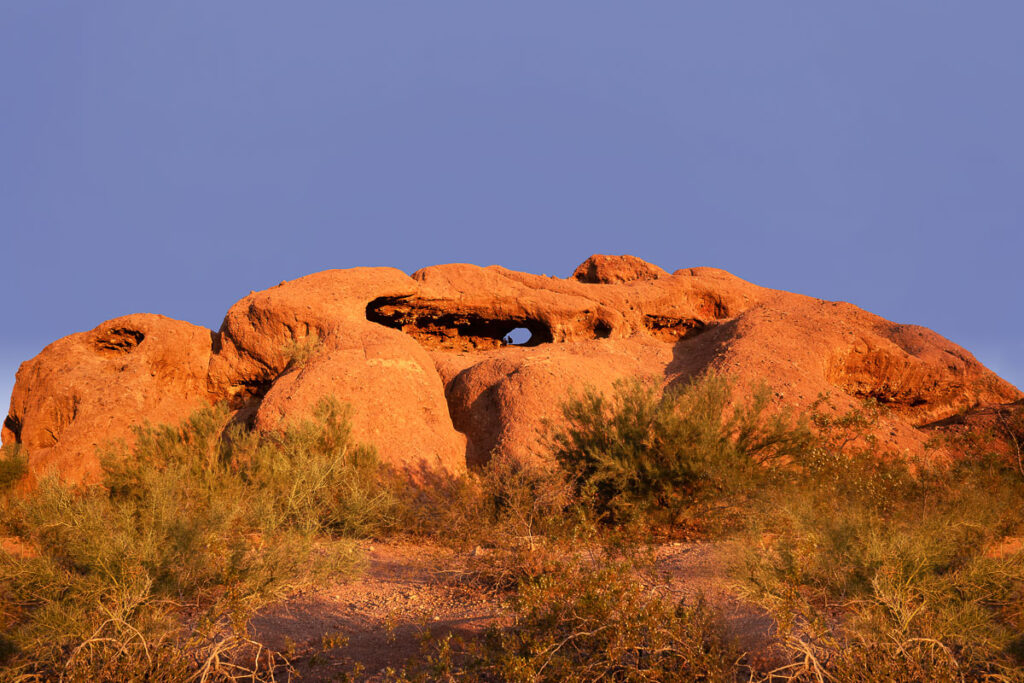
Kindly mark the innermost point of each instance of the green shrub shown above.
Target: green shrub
(641, 451)
(194, 529)
(299, 352)
(874, 567)
(909, 585)
(509, 520)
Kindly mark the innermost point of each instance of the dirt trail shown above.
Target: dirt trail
(694, 570)
(403, 591)
(409, 589)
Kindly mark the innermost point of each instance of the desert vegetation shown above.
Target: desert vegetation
(154, 574)
(870, 566)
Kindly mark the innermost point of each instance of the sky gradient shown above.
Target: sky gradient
(170, 157)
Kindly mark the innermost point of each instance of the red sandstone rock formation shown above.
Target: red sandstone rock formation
(91, 387)
(432, 383)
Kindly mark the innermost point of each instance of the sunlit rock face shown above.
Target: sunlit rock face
(457, 362)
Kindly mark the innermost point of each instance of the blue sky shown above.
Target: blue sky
(170, 157)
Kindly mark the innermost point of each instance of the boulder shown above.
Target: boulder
(283, 349)
(88, 389)
(608, 270)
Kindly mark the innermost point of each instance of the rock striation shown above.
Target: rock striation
(434, 383)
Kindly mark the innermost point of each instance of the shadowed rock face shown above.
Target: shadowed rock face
(425, 363)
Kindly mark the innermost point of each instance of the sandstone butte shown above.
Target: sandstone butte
(432, 384)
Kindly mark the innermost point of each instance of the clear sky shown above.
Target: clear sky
(169, 157)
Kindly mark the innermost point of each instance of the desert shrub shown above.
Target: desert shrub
(924, 582)
(642, 451)
(874, 567)
(1011, 429)
(516, 505)
(310, 477)
(13, 466)
(193, 530)
(509, 520)
(299, 352)
(119, 652)
(844, 461)
(587, 621)
(525, 500)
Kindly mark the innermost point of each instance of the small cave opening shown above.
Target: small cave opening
(520, 336)
(672, 329)
(249, 392)
(13, 425)
(119, 340)
(436, 327)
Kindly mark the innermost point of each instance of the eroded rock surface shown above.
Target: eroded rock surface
(426, 364)
(90, 388)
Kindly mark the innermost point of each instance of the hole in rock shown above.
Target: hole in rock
(520, 336)
(435, 326)
(119, 340)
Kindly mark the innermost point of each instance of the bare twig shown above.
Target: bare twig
(1013, 437)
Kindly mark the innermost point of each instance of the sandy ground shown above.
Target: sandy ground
(407, 590)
